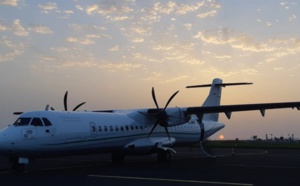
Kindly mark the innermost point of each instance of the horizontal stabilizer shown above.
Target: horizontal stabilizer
(219, 84)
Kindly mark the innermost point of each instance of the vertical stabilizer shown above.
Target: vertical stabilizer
(213, 99)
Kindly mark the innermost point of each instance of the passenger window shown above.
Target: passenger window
(122, 128)
(37, 122)
(99, 128)
(46, 122)
(111, 128)
(117, 128)
(22, 122)
(105, 128)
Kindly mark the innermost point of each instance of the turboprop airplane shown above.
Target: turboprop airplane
(49, 132)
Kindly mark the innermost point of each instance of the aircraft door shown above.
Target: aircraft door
(93, 129)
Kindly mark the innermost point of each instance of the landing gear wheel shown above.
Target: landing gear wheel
(18, 167)
(118, 157)
(164, 156)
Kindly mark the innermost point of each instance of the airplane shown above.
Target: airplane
(50, 133)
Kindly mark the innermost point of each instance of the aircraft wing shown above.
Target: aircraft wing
(228, 109)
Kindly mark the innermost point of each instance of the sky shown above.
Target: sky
(110, 53)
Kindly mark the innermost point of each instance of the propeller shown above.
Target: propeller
(161, 115)
(66, 103)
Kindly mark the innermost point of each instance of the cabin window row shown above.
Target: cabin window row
(134, 128)
(119, 128)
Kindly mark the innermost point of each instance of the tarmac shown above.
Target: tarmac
(188, 167)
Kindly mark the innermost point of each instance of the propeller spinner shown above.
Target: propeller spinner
(161, 116)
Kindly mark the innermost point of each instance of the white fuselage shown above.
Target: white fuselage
(89, 132)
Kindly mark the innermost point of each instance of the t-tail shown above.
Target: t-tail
(214, 97)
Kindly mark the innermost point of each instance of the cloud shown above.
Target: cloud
(18, 29)
(179, 9)
(10, 49)
(114, 48)
(40, 29)
(91, 9)
(164, 8)
(117, 18)
(119, 66)
(250, 71)
(3, 27)
(277, 68)
(219, 72)
(109, 7)
(184, 8)
(137, 40)
(154, 77)
(223, 57)
(48, 6)
(82, 41)
(163, 47)
(208, 14)
(178, 78)
(81, 64)
(9, 2)
(84, 27)
(9, 56)
(192, 61)
(188, 26)
(235, 40)
(292, 17)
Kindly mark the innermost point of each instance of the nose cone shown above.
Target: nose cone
(211, 128)
(5, 141)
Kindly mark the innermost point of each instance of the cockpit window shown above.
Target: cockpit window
(22, 122)
(37, 122)
(46, 122)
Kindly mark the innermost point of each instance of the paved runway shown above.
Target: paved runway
(245, 167)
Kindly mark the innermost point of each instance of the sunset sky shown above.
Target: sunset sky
(110, 53)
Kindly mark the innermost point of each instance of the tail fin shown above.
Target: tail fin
(214, 97)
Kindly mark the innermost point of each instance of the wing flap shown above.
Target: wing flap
(227, 109)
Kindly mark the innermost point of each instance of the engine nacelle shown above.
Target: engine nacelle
(175, 116)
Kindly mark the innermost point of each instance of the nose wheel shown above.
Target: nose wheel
(16, 166)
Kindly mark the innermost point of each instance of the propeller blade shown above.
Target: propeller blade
(18, 113)
(65, 101)
(153, 128)
(170, 99)
(161, 115)
(78, 106)
(154, 98)
(167, 131)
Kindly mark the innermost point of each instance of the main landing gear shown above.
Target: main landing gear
(18, 164)
(162, 156)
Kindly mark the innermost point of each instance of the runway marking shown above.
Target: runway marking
(258, 166)
(5, 172)
(171, 180)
